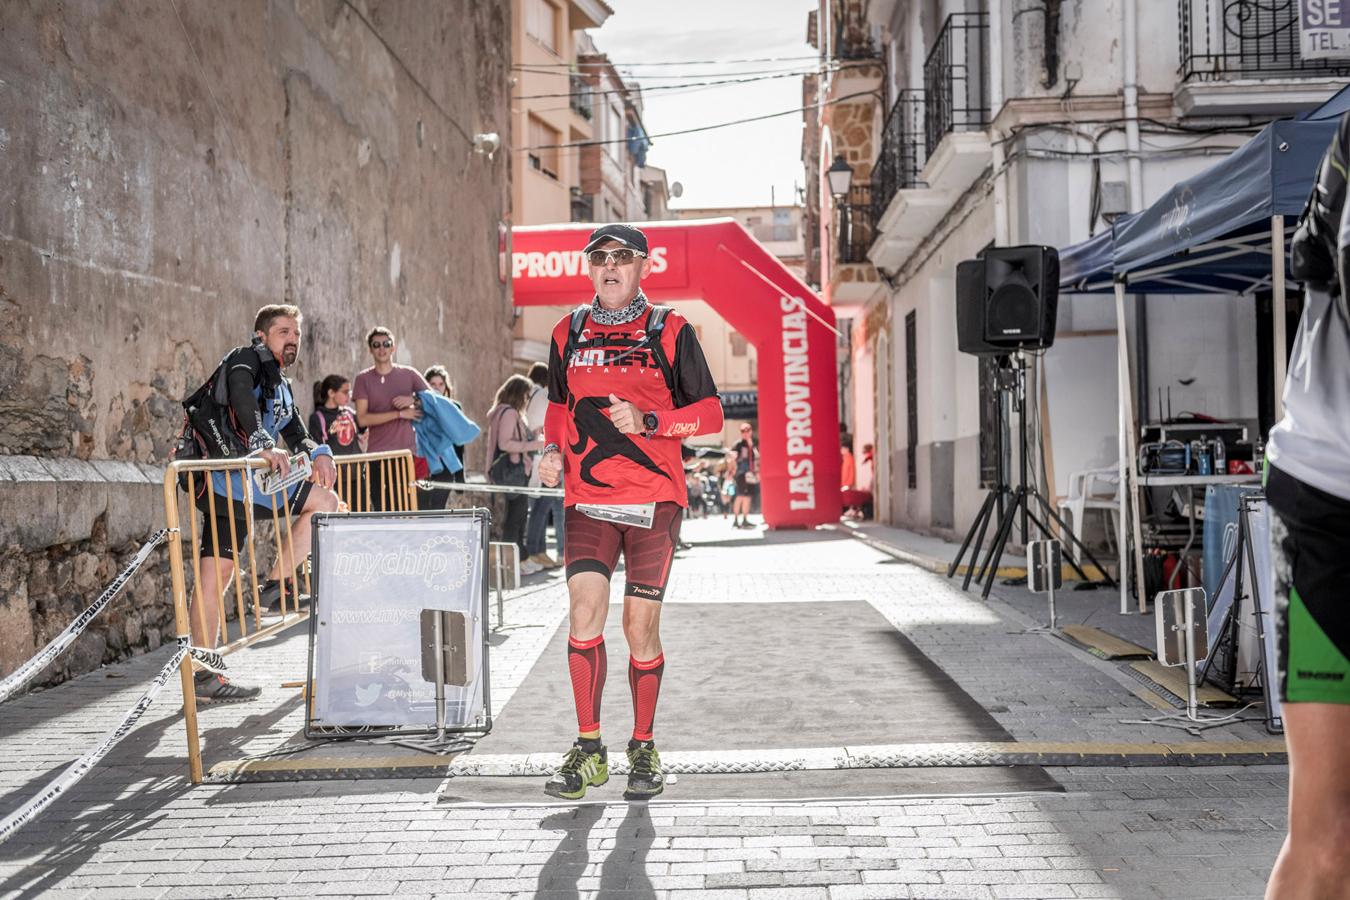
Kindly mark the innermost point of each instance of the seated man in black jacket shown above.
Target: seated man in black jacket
(264, 412)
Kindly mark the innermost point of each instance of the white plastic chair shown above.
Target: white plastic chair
(1092, 489)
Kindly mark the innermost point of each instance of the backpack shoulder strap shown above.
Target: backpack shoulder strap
(656, 325)
(574, 329)
(656, 322)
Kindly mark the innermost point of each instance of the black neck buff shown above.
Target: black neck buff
(621, 316)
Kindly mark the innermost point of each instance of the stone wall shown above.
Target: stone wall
(169, 168)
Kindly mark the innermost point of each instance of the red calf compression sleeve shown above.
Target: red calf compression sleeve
(644, 679)
(587, 663)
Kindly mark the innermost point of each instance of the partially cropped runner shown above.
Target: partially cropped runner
(1308, 489)
(627, 381)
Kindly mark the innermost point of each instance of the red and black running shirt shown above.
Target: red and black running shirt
(601, 465)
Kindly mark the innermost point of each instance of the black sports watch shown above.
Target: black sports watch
(650, 422)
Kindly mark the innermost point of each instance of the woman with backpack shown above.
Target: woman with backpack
(509, 462)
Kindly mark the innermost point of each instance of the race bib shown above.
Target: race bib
(639, 514)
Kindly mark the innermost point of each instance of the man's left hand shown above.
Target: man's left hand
(325, 471)
(625, 416)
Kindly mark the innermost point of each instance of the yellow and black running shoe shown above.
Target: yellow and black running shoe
(583, 766)
(645, 779)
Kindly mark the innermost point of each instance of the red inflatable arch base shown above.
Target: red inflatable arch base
(717, 261)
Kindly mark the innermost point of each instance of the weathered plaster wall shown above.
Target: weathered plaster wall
(168, 168)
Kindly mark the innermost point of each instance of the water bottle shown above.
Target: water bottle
(1202, 458)
(1220, 457)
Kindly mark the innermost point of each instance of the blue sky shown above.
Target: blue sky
(736, 166)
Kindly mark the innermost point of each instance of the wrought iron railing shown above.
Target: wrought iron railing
(581, 96)
(1230, 39)
(956, 79)
(902, 152)
(855, 225)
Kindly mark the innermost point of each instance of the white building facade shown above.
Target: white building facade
(1009, 122)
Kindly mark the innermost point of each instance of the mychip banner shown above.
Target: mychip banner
(380, 581)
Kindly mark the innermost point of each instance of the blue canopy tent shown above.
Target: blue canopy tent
(1086, 267)
(1223, 231)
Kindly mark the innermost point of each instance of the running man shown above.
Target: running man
(627, 381)
(1308, 489)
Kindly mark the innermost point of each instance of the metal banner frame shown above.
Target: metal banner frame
(315, 731)
(1242, 568)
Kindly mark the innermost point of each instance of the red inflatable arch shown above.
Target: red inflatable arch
(717, 261)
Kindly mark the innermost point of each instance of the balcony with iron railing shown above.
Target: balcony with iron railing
(956, 79)
(935, 144)
(1227, 42)
(902, 153)
(1225, 39)
(854, 225)
(581, 97)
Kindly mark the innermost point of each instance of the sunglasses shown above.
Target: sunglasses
(622, 256)
(381, 344)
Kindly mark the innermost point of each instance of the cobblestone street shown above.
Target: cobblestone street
(134, 827)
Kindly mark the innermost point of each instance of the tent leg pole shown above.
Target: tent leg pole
(1277, 310)
(1122, 529)
(1127, 447)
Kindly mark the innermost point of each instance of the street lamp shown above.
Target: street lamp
(840, 174)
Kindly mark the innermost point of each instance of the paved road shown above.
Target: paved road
(134, 828)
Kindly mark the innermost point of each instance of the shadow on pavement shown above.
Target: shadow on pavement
(65, 839)
(103, 808)
(624, 871)
(566, 866)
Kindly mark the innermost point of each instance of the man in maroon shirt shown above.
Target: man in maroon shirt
(627, 381)
(384, 395)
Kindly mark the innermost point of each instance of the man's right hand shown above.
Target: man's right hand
(277, 460)
(550, 467)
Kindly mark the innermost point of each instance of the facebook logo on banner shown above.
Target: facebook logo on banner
(1324, 28)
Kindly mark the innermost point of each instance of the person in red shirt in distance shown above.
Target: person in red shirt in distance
(624, 390)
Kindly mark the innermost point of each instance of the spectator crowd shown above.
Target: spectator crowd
(392, 407)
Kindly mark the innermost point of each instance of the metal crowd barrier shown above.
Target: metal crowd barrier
(364, 482)
(396, 490)
(484, 487)
(392, 473)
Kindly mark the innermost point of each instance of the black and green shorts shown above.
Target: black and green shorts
(1310, 553)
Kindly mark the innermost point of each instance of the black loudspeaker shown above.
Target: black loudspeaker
(970, 305)
(1007, 300)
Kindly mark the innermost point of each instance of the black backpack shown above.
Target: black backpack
(210, 429)
(656, 324)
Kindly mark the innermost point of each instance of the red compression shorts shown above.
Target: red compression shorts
(593, 545)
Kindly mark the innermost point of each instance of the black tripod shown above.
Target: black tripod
(1004, 502)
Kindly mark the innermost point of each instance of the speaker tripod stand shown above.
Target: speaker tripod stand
(1003, 503)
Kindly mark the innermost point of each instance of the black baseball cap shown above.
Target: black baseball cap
(624, 234)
